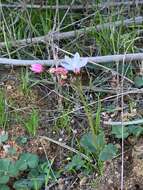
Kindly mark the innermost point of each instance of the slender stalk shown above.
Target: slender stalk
(87, 111)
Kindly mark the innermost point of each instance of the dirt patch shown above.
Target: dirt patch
(133, 171)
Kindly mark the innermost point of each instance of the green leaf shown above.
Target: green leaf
(21, 140)
(4, 166)
(33, 173)
(21, 165)
(27, 184)
(4, 187)
(13, 171)
(76, 163)
(12, 151)
(7, 168)
(100, 141)
(4, 179)
(31, 159)
(23, 184)
(108, 152)
(87, 142)
(3, 137)
(27, 160)
(117, 131)
(138, 81)
(135, 130)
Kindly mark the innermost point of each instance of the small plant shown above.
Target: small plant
(27, 162)
(46, 168)
(38, 174)
(7, 170)
(98, 149)
(134, 130)
(93, 143)
(25, 87)
(76, 164)
(31, 124)
(3, 111)
(63, 122)
(28, 184)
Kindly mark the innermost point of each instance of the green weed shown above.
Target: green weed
(63, 122)
(32, 123)
(24, 85)
(3, 110)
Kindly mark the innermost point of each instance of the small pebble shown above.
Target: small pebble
(110, 181)
(6, 148)
(9, 87)
(83, 181)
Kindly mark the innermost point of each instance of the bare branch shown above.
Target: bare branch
(74, 7)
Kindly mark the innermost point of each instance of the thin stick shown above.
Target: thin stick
(66, 146)
(98, 59)
(76, 7)
(73, 33)
(124, 123)
(98, 89)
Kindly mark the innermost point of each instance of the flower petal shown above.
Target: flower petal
(74, 64)
(37, 68)
(83, 62)
(67, 66)
(67, 59)
(76, 56)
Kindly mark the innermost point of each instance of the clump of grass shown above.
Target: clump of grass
(63, 122)
(3, 111)
(24, 85)
(32, 123)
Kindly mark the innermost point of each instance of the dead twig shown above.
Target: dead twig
(73, 7)
(65, 146)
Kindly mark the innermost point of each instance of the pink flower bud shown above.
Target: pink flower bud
(59, 71)
(37, 68)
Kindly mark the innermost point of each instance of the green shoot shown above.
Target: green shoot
(25, 82)
(3, 112)
(32, 123)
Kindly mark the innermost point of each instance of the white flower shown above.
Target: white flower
(74, 64)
